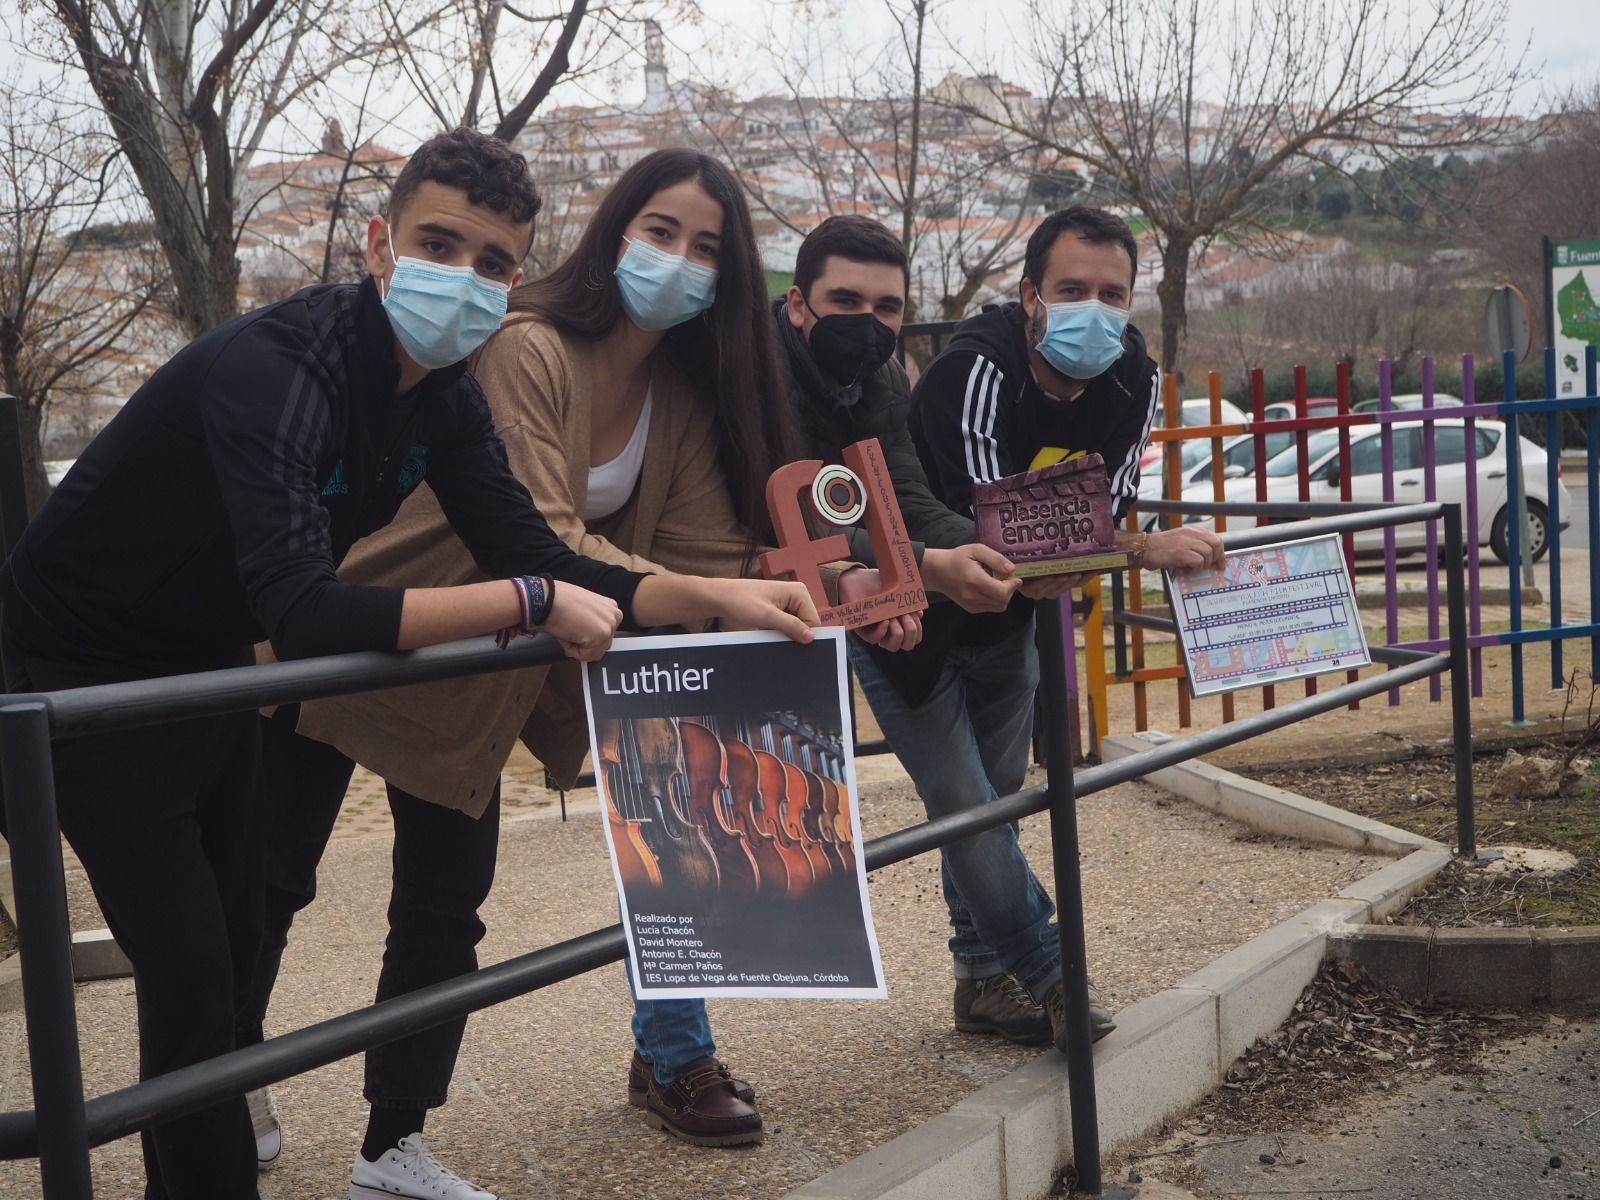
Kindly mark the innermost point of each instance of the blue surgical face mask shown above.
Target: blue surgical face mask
(441, 313)
(1082, 338)
(661, 290)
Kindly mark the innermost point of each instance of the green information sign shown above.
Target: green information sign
(1574, 317)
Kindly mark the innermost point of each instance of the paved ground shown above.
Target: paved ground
(1526, 1128)
(537, 1110)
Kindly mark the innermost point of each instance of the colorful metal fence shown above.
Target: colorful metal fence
(1413, 475)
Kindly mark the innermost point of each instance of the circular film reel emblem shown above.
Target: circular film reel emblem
(838, 495)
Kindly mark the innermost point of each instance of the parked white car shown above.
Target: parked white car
(1192, 412)
(1366, 480)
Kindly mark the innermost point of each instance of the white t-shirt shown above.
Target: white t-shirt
(611, 483)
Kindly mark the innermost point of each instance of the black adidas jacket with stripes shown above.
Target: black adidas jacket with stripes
(977, 415)
(214, 508)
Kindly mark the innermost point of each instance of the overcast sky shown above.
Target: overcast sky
(733, 44)
(1564, 50)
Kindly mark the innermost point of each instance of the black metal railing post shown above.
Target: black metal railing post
(1460, 680)
(46, 943)
(1069, 902)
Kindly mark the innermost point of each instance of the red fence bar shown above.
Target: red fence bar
(1258, 413)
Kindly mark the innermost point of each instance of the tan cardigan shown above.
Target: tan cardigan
(447, 742)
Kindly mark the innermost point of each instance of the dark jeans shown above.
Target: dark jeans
(443, 865)
(166, 821)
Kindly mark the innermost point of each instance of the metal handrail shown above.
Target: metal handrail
(62, 1126)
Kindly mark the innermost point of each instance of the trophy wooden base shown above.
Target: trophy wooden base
(1081, 564)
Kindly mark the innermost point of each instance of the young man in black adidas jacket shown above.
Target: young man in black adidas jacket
(212, 512)
(1020, 386)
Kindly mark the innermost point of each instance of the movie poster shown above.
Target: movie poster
(728, 789)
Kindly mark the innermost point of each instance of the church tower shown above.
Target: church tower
(657, 95)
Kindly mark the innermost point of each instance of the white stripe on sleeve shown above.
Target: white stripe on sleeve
(1125, 483)
(978, 411)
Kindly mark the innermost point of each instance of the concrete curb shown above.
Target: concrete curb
(1010, 1138)
(1271, 809)
(1476, 967)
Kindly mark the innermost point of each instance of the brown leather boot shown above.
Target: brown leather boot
(999, 1005)
(700, 1107)
(639, 1081)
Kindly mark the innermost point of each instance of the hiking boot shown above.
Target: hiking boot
(700, 1107)
(999, 1005)
(266, 1126)
(639, 1081)
(1055, 1003)
(410, 1171)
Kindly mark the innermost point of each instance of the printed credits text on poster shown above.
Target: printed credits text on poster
(728, 788)
(1266, 615)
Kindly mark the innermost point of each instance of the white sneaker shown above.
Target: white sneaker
(410, 1171)
(268, 1130)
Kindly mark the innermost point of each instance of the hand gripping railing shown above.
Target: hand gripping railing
(61, 1127)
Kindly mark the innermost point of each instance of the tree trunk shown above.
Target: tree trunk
(1173, 294)
(908, 211)
(30, 422)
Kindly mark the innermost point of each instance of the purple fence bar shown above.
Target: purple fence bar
(1469, 396)
(1069, 665)
(1552, 516)
(1514, 531)
(1430, 490)
(1386, 440)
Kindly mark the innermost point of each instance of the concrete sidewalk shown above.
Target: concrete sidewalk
(537, 1110)
(1525, 1127)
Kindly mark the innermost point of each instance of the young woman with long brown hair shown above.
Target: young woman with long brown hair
(635, 390)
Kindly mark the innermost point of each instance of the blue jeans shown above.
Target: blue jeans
(670, 1034)
(965, 745)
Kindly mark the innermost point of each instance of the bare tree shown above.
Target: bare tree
(192, 89)
(493, 68)
(864, 135)
(1546, 188)
(65, 305)
(1187, 112)
(1352, 308)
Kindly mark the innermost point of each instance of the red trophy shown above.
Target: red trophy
(842, 496)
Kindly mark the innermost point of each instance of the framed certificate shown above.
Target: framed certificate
(1266, 615)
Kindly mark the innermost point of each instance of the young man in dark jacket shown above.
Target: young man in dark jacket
(838, 326)
(211, 514)
(1020, 386)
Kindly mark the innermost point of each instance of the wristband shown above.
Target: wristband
(536, 595)
(541, 598)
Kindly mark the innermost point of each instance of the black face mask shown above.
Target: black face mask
(849, 347)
